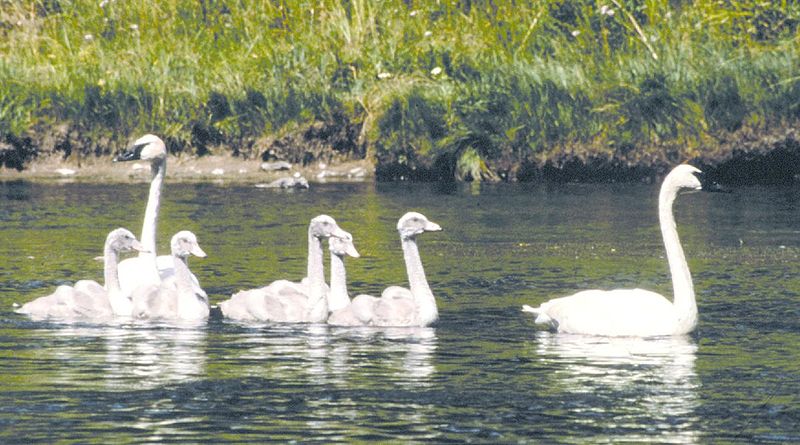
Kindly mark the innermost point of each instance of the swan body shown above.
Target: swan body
(88, 299)
(148, 268)
(289, 302)
(635, 312)
(397, 306)
(175, 298)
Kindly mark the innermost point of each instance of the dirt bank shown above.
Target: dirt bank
(332, 151)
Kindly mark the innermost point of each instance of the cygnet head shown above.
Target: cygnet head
(184, 243)
(147, 148)
(323, 226)
(413, 223)
(122, 240)
(343, 246)
(684, 176)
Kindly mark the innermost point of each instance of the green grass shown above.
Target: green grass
(478, 86)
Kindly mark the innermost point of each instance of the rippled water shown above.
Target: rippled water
(483, 374)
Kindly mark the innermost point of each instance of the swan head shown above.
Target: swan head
(685, 176)
(147, 148)
(343, 246)
(412, 224)
(184, 243)
(323, 226)
(122, 240)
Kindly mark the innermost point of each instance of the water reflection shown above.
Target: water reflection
(626, 385)
(132, 356)
(338, 357)
(317, 380)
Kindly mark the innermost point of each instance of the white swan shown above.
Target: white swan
(338, 298)
(176, 298)
(635, 312)
(397, 306)
(88, 299)
(286, 301)
(148, 268)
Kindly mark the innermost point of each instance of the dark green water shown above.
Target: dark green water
(481, 375)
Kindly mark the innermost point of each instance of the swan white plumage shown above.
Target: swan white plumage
(397, 306)
(176, 298)
(636, 312)
(148, 267)
(88, 299)
(338, 298)
(286, 301)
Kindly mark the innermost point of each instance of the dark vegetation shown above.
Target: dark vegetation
(468, 90)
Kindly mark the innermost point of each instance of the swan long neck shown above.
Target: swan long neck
(682, 287)
(110, 274)
(183, 283)
(148, 238)
(427, 312)
(317, 303)
(121, 304)
(338, 297)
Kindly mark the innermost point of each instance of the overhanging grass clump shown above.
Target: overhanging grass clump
(476, 90)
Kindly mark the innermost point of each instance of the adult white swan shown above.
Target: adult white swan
(397, 306)
(178, 298)
(88, 299)
(635, 312)
(338, 298)
(286, 301)
(148, 268)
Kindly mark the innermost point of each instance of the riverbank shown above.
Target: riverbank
(184, 168)
(563, 90)
(743, 158)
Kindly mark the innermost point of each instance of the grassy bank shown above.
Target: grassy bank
(467, 89)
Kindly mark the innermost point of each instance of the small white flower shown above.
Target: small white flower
(134, 27)
(436, 71)
(88, 37)
(603, 9)
(610, 12)
(576, 33)
(427, 34)
(413, 13)
(384, 75)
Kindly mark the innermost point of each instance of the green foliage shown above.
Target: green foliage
(504, 81)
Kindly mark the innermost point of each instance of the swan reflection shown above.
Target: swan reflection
(322, 355)
(132, 356)
(651, 381)
(402, 353)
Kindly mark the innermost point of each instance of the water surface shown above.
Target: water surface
(483, 374)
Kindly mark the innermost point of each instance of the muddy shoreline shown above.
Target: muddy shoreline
(325, 152)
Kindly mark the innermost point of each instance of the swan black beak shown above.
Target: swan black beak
(709, 183)
(132, 154)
